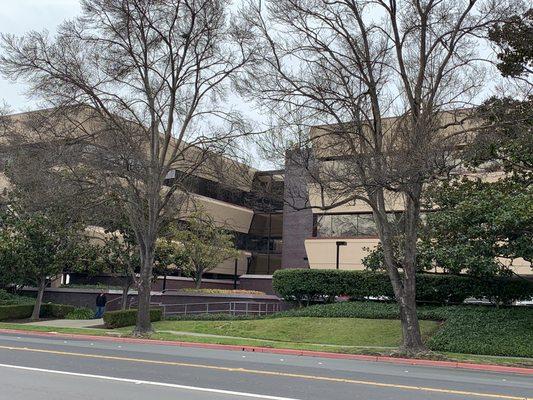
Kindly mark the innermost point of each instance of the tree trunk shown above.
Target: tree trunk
(412, 338)
(404, 287)
(144, 324)
(198, 279)
(405, 293)
(39, 300)
(125, 290)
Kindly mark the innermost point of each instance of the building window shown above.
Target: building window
(345, 225)
(353, 225)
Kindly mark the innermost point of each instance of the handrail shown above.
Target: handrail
(230, 307)
(219, 302)
(113, 300)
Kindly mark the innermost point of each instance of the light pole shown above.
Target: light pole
(339, 244)
(235, 275)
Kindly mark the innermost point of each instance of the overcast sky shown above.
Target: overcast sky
(20, 16)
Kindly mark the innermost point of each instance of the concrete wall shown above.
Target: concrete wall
(322, 253)
(79, 297)
(227, 267)
(227, 215)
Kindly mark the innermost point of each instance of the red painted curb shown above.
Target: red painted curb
(306, 353)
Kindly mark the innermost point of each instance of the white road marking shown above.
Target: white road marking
(141, 382)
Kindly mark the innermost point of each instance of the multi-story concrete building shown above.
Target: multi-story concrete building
(242, 199)
(318, 236)
(276, 230)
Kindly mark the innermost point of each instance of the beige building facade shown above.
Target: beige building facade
(273, 233)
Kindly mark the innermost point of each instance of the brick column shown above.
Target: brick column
(297, 216)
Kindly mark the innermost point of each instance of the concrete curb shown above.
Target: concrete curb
(306, 353)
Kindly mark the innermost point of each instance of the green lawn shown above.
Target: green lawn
(40, 328)
(331, 331)
(427, 326)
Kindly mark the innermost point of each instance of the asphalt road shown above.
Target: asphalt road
(52, 368)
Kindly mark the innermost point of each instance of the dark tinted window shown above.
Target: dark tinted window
(345, 225)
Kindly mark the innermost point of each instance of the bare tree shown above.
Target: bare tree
(378, 90)
(137, 93)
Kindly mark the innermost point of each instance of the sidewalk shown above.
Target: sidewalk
(70, 323)
(209, 335)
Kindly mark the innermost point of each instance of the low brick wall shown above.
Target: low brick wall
(195, 301)
(80, 297)
(262, 283)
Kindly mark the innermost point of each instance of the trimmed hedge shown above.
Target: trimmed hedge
(379, 310)
(347, 309)
(121, 318)
(22, 311)
(319, 284)
(60, 311)
(16, 311)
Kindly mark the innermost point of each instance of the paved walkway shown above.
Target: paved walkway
(70, 323)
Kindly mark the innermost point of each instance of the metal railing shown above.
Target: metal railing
(230, 307)
(115, 300)
(133, 302)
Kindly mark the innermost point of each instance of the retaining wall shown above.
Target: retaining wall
(87, 297)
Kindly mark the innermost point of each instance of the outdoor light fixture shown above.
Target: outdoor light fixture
(339, 244)
(236, 274)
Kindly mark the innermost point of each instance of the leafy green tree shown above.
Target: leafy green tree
(514, 39)
(504, 143)
(474, 226)
(119, 255)
(479, 222)
(119, 258)
(375, 261)
(35, 248)
(205, 245)
(170, 256)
